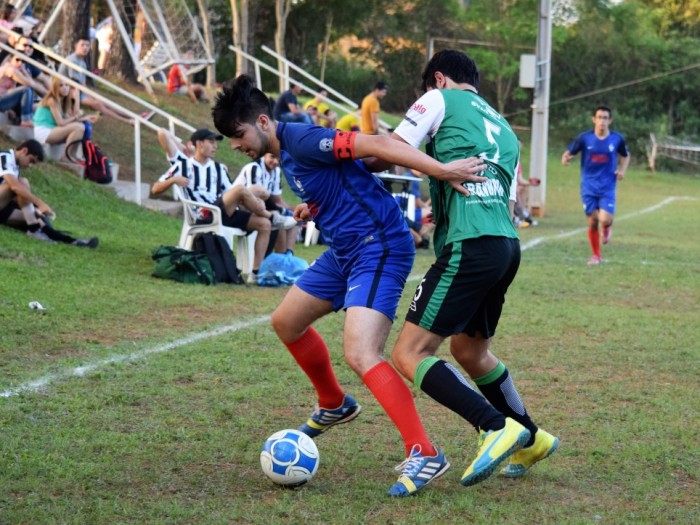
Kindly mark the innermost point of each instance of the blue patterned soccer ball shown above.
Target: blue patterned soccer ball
(289, 458)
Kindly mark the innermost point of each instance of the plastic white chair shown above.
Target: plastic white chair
(245, 243)
(407, 201)
(312, 234)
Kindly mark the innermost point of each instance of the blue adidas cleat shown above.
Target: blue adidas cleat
(323, 418)
(417, 471)
(496, 446)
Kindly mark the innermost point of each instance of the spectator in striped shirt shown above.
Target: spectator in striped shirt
(263, 178)
(19, 207)
(204, 180)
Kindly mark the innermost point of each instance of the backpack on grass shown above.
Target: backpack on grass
(219, 253)
(182, 265)
(98, 167)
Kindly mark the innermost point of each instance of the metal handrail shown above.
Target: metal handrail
(172, 120)
(317, 81)
(260, 63)
(138, 120)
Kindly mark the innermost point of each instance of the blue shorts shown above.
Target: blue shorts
(604, 201)
(375, 280)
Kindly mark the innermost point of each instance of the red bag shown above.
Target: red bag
(98, 167)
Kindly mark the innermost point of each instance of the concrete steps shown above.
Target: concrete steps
(17, 133)
(127, 191)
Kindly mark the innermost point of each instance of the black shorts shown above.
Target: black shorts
(239, 219)
(464, 290)
(7, 211)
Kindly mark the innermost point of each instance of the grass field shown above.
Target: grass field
(137, 400)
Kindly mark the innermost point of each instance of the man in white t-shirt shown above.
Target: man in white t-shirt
(264, 180)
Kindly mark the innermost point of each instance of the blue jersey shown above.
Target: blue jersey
(348, 203)
(598, 160)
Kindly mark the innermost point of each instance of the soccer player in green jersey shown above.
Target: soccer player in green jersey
(478, 254)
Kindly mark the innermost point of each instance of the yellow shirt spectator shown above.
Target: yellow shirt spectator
(370, 109)
(349, 122)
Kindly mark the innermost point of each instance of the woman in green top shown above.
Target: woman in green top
(58, 118)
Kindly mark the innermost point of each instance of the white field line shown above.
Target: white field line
(79, 371)
(537, 240)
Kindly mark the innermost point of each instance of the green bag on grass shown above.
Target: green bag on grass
(182, 265)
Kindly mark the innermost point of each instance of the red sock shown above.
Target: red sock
(396, 400)
(311, 354)
(594, 239)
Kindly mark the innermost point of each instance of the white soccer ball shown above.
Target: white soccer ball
(289, 457)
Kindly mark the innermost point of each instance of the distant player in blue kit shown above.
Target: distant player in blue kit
(364, 270)
(600, 172)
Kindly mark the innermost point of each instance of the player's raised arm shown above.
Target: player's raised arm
(359, 146)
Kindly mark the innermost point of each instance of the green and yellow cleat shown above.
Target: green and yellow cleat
(496, 446)
(543, 447)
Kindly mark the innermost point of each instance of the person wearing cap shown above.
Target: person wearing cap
(202, 179)
(370, 108)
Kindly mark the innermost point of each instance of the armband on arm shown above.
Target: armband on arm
(344, 145)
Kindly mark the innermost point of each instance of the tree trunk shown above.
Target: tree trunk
(208, 41)
(119, 63)
(326, 40)
(282, 8)
(76, 24)
(241, 33)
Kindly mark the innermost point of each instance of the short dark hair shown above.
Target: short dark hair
(603, 107)
(453, 64)
(33, 148)
(240, 102)
(381, 85)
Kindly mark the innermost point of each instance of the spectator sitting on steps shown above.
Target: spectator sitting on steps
(13, 94)
(179, 81)
(58, 118)
(287, 108)
(32, 75)
(78, 57)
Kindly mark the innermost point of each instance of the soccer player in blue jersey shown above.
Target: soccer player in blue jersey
(364, 270)
(600, 171)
